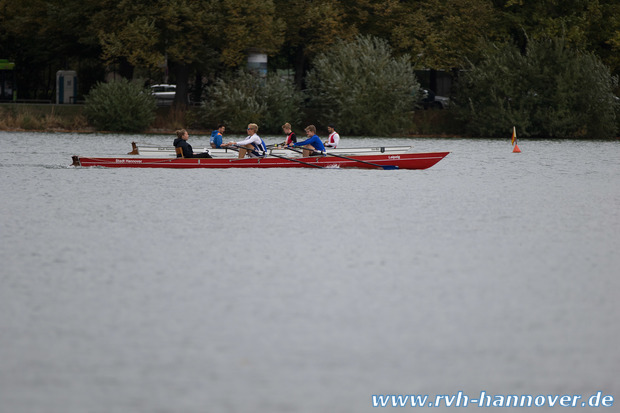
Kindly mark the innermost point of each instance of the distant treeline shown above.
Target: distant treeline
(201, 45)
(192, 43)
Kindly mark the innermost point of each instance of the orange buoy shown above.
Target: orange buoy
(516, 149)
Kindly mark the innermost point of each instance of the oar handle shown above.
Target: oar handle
(243, 147)
(283, 157)
(291, 148)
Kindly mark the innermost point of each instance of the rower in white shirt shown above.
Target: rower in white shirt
(252, 144)
(334, 138)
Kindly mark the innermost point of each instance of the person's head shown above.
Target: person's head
(310, 130)
(331, 128)
(252, 128)
(182, 133)
(286, 127)
(221, 128)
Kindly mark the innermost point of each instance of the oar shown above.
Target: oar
(387, 167)
(284, 157)
(296, 160)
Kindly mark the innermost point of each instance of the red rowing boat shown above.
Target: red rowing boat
(385, 161)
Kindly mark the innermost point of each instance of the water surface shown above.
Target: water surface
(145, 290)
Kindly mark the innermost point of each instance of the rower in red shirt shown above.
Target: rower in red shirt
(291, 138)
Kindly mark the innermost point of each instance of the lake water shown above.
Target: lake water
(267, 290)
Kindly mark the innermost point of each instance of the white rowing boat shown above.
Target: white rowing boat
(169, 151)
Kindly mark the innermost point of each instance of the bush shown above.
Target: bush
(245, 98)
(362, 88)
(120, 106)
(284, 103)
(550, 91)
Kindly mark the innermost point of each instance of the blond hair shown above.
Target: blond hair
(286, 126)
(311, 128)
(253, 126)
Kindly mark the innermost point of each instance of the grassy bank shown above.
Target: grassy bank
(56, 118)
(46, 117)
(71, 118)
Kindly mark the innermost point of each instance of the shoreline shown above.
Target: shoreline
(195, 132)
(203, 132)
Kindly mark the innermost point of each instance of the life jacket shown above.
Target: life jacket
(260, 150)
(331, 139)
(289, 138)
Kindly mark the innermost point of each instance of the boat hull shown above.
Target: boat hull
(401, 161)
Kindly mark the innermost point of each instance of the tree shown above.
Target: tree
(310, 28)
(183, 33)
(550, 91)
(592, 25)
(361, 87)
(441, 34)
(122, 106)
(243, 25)
(43, 36)
(243, 98)
(155, 35)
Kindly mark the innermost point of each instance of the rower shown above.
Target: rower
(253, 145)
(333, 138)
(313, 144)
(290, 135)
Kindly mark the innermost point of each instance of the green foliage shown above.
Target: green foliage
(441, 34)
(121, 106)
(550, 91)
(147, 33)
(244, 24)
(586, 24)
(362, 88)
(183, 31)
(245, 98)
(198, 39)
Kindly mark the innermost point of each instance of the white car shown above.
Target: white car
(431, 101)
(164, 94)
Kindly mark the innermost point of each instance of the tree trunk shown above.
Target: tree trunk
(301, 63)
(125, 69)
(197, 88)
(433, 81)
(181, 71)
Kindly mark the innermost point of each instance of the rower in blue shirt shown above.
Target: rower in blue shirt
(312, 145)
(216, 136)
